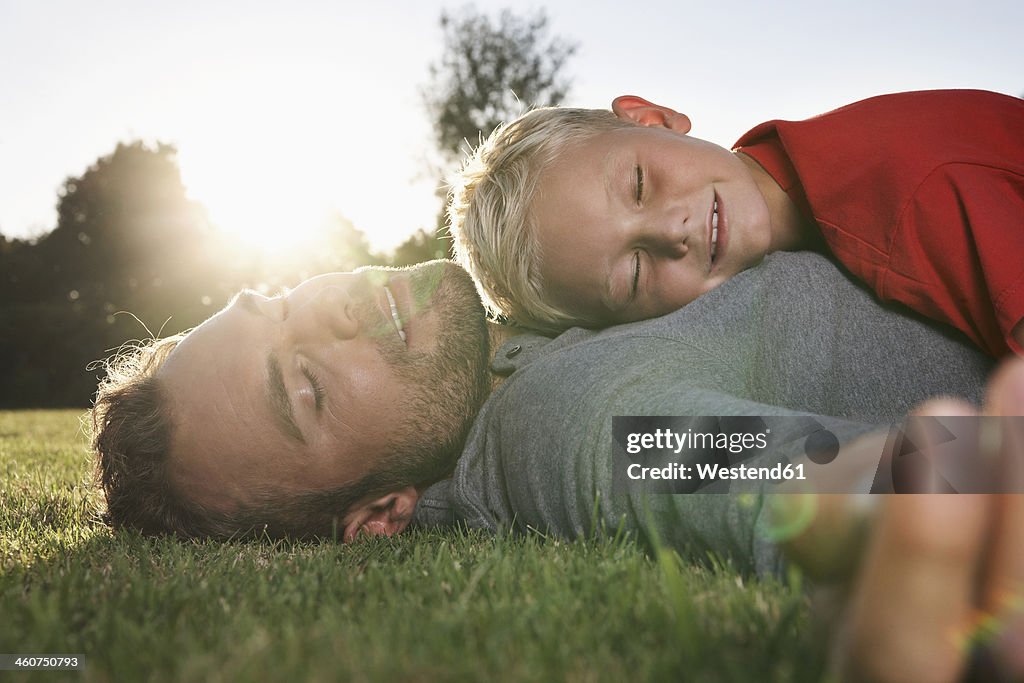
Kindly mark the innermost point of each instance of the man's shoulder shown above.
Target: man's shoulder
(789, 279)
(707, 343)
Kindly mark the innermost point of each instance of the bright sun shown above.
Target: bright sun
(281, 198)
(272, 165)
(259, 201)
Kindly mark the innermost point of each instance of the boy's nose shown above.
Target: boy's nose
(670, 238)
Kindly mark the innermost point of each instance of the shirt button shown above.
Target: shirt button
(514, 351)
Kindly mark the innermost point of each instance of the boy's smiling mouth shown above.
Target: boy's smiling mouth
(715, 231)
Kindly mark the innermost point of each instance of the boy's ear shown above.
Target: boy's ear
(384, 516)
(640, 111)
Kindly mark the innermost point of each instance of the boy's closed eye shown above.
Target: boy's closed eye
(636, 276)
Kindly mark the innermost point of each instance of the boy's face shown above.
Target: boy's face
(636, 222)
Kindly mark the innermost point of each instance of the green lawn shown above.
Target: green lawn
(426, 606)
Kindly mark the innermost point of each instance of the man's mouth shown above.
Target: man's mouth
(395, 316)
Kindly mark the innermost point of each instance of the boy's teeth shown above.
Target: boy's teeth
(714, 230)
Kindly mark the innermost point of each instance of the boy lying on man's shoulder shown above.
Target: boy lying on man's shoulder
(593, 217)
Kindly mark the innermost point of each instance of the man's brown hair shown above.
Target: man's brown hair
(131, 436)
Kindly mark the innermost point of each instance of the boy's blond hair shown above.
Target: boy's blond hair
(490, 213)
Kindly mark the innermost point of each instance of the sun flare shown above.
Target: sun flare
(273, 165)
(261, 207)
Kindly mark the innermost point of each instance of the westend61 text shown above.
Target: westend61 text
(714, 472)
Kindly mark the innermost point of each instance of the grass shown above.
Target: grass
(452, 605)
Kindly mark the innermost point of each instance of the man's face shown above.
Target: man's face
(311, 390)
(636, 222)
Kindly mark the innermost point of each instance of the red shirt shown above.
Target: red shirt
(920, 195)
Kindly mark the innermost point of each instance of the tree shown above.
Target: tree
(490, 71)
(126, 231)
(127, 239)
(19, 267)
(422, 246)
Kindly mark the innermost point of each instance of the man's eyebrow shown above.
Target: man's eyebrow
(280, 403)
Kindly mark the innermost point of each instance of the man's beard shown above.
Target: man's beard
(446, 386)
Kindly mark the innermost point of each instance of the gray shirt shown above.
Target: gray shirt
(792, 336)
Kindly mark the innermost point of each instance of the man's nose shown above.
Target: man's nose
(330, 311)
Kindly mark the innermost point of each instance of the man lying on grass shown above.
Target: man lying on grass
(333, 410)
(330, 410)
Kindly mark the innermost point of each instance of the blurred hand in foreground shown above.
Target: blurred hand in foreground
(937, 593)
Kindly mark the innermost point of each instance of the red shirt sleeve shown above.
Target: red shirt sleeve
(921, 195)
(970, 272)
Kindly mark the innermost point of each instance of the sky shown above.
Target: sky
(285, 112)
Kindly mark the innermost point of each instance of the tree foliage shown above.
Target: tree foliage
(130, 247)
(490, 71)
(127, 234)
(422, 246)
(127, 239)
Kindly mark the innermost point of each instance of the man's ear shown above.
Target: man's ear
(383, 516)
(640, 111)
